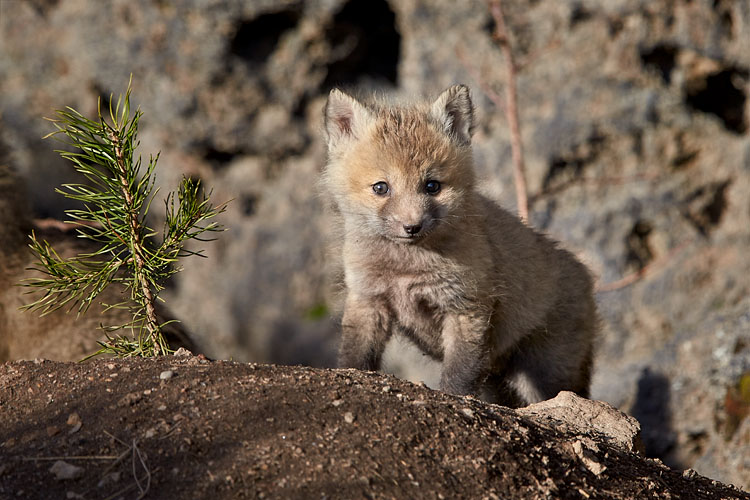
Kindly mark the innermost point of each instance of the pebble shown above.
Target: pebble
(689, 474)
(166, 374)
(111, 478)
(64, 470)
(74, 420)
(348, 417)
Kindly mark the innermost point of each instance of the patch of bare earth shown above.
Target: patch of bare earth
(186, 427)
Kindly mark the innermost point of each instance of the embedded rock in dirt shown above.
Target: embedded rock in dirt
(569, 411)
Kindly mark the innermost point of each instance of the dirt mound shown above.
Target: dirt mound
(185, 427)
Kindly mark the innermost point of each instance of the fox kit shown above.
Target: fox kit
(425, 255)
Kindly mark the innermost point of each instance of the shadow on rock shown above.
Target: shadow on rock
(652, 409)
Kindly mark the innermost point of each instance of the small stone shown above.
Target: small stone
(338, 402)
(583, 415)
(468, 412)
(587, 457)
(387, 388)
(348, 417)
(111, 478)
(166, 374)
(689, 474)
(74, 420)
(182, 352)
(63, 470)
(162, 407)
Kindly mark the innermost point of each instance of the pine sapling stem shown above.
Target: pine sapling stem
(152, 324)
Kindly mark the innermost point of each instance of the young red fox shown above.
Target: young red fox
(425, 255)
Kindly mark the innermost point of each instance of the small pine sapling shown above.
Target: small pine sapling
(116, 199)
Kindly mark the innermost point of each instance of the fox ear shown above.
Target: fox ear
(454, 111)
(345, 117)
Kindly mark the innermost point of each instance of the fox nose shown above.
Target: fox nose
(412, 229)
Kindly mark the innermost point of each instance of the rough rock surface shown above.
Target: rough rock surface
(635, 122)
(232, 430)
(584, 415)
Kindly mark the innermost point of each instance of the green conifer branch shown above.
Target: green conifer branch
(116, 199)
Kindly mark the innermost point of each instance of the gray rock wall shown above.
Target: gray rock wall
(635, 124)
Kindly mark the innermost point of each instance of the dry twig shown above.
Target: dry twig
(493, 96)
(638, 275)
(519, 170)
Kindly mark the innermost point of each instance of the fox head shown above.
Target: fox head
(400, 173)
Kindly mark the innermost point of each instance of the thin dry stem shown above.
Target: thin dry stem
(638, 275)
(493, 96)
(511, 109)
(137, 454)
(70, 457)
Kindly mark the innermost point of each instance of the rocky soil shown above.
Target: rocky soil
(635, 123)
(184, 427)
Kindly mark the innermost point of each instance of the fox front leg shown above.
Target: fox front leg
(366, 329)
(465, 354)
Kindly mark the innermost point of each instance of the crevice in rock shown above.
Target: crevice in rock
(662, 59)
(248, 204)
(218, 158)
(570, 164)
(637, 242)
(579, 14)
(256, 39)
(615, 26)
(364, 43)
(724, 10)
(43, 7)
(722, 94)
(103, 94)
(706, 205)
(685, 155)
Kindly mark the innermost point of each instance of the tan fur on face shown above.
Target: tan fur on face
(404, 148)
(508, 313)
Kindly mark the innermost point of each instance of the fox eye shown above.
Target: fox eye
(432, 187)
(380, 188)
